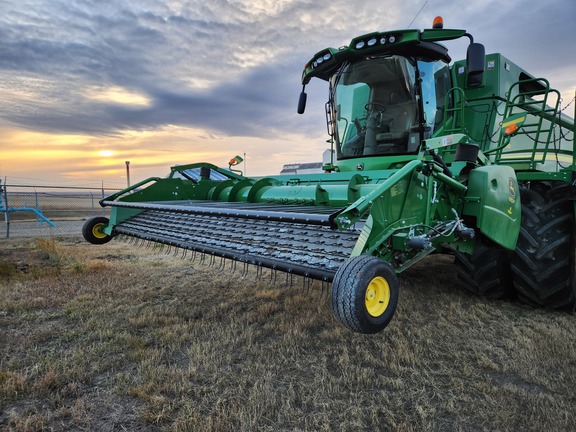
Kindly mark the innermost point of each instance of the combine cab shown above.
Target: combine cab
(472, 158)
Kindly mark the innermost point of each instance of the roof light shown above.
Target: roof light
(372, 42)
(235, 160)
(392, 39)
(438, 22)
(360, 45)
(383, 40)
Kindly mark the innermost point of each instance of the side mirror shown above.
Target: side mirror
(475, 64)
(302, 102)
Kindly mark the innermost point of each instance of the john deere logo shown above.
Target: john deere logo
(512, 187)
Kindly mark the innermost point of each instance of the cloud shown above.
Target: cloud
(224, 65)
(228, 68)
(253, 104)
(153, 52)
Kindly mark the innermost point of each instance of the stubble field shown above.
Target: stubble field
(118, 337)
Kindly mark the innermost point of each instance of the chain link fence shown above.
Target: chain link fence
(37, 211)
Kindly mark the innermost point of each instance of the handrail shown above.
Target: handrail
(537, 111)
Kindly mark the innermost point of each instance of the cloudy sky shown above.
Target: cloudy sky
(86, 85)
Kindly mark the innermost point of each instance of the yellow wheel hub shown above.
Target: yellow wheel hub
(377, 296)
(97, 231)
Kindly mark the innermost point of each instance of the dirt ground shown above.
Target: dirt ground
(118, 337)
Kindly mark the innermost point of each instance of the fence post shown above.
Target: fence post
(4, 192)
(38, 220)
(103, 211)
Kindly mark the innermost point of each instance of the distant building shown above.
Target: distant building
(302, 168)
(307, 167)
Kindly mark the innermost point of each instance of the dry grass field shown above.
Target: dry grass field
(118, 337)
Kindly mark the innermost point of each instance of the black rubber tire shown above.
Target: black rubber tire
(350, 288)
(543, 262)
(486, 272)
(91, 230)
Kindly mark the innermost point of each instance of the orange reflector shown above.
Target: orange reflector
(511, 129)
(438, 22)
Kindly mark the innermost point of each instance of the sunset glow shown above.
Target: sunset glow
(106, 153)
(88, 160)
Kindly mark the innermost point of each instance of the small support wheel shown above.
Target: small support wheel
(92, 230)
(365, 294)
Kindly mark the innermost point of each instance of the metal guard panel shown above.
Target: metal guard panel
(493, 198)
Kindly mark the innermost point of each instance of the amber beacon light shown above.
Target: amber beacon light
(438, 22)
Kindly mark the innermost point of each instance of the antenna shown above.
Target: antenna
(418, 13)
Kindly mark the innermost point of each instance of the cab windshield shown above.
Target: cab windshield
(375, 108)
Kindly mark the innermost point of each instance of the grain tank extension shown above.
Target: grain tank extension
(473, 158)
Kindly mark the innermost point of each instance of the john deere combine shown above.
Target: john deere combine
(473, 158)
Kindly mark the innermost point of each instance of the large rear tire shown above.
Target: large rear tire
(486, 272)
(92, 230)
(543, 262)
(365, 294)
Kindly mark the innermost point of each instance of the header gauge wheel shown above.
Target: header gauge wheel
(365, 294)
(92, 230)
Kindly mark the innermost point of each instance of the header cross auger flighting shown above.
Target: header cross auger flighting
(472, 158)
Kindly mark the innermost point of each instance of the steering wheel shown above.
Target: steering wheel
(376, 110)
(375, 106)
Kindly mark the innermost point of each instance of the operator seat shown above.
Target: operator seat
(403, 114)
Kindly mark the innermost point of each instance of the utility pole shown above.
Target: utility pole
(128, 172)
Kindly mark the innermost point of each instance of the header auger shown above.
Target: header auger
(474, 159)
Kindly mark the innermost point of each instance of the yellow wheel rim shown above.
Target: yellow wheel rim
(97, 231)
(377, 296)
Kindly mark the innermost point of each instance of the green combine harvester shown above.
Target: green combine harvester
(473, 159)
